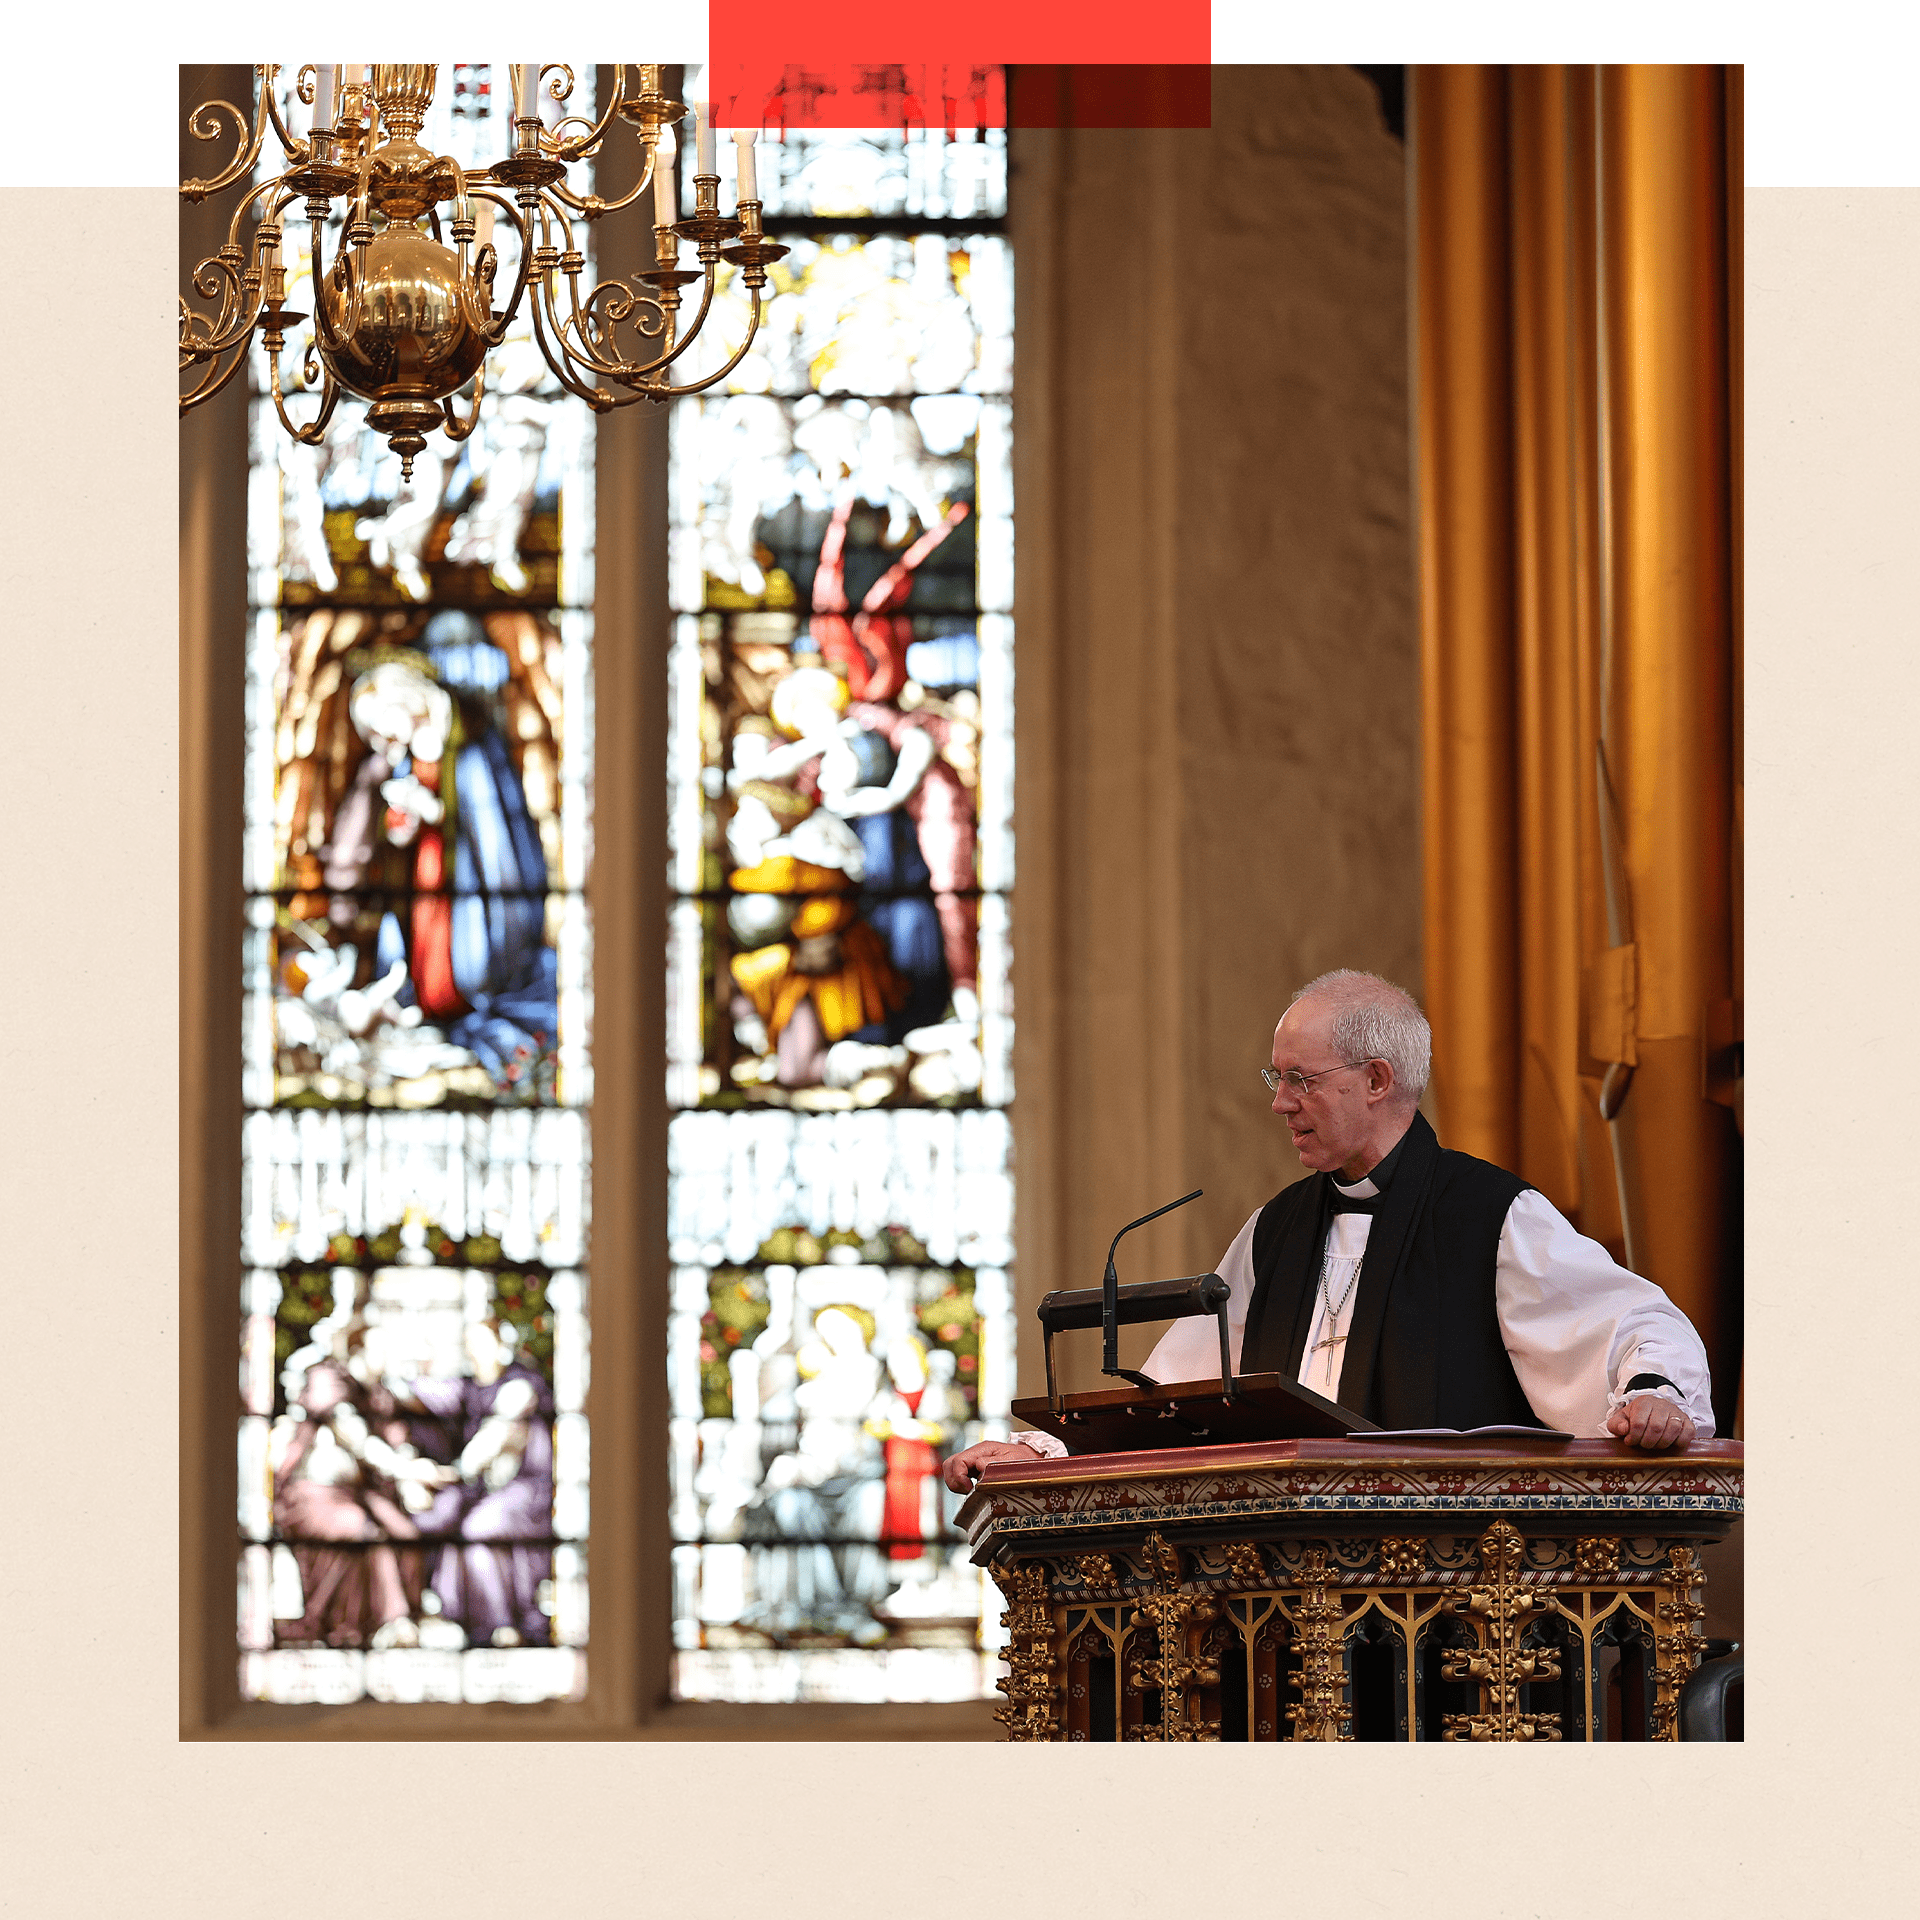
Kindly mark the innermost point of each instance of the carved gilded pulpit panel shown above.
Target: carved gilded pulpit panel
(1342, 1590)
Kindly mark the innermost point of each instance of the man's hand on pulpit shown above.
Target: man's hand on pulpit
(1650, 1420)
(959, 1471)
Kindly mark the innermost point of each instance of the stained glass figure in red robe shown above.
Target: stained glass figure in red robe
(869, 646)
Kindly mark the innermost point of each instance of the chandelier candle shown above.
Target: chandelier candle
(666, 206)
(743, 138)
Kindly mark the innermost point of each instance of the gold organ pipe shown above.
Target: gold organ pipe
(1466, 619)
(1546, 657)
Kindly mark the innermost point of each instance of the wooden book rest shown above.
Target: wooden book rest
(1191, 1413)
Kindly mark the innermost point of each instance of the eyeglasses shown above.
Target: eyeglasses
(1302, 1083)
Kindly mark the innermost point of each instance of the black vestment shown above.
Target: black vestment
(1424, 1347)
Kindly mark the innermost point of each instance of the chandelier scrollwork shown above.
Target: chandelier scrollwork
(403, 312)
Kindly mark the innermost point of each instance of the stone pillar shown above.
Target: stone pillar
(1218, 701)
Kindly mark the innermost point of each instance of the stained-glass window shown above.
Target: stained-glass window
(413, 1447)
(840, 766)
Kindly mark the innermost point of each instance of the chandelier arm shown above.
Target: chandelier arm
(593, 207)
(496, 331)
(231, 325)
(247, 200)
(355, 254)
(476, 290)
(335, 339)
(226, 273)
(216, 378)
(550, 216)
(316, 261)
(665, 391)
(595, 336)
(250, 130)
(188, 357)
(331, 338)
(297, 150)
(202, 336)
(271, 225)
(629, 396)
(579, 357)
(581, 353)
(557, 358)
(553, 214)
(278, 214)
(678, 341)
(561, 365)
(625, 372)
(587, 143)
(455, 429)
(685, 337)
(576, 341)
(314, 432)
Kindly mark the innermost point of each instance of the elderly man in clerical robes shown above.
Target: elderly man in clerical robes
(1421, 1287)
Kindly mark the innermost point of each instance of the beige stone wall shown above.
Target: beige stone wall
(1218, 675)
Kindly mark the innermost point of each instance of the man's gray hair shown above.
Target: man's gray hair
(1375, 1020)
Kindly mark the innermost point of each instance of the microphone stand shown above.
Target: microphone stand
(1110, 1297)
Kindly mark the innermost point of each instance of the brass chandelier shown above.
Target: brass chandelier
(404, 313)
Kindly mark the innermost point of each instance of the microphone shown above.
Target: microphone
(1110, 1296)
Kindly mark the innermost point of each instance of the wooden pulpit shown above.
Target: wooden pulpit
(1351, 1588)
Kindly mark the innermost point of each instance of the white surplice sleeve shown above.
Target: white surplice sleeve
(1578, 1326)
(1190, 1348)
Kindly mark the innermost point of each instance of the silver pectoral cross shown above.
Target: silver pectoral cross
(1331, 1340)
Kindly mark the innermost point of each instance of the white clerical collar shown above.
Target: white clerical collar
(1366, 1187)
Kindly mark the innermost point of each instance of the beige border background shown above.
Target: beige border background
(106, 1813)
